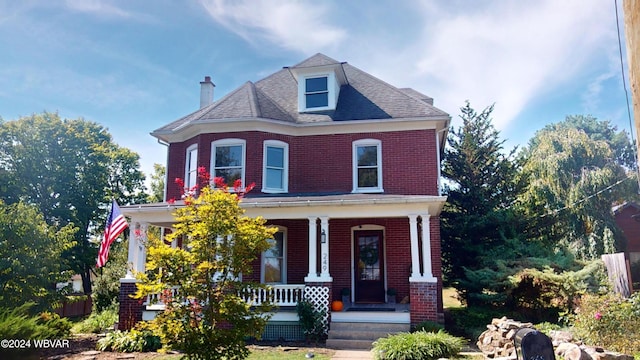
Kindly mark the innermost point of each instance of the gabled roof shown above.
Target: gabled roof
(275, 98)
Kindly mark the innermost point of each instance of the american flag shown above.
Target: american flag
(116, 223)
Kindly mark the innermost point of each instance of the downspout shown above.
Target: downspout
(166, 170)
(440, 151)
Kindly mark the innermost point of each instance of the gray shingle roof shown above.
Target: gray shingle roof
(276, 97)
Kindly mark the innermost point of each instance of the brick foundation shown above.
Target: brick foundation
(424, 302)
(130, 309)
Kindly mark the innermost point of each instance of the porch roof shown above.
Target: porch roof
(303, 207)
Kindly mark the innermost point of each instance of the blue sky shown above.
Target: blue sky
(134, 66)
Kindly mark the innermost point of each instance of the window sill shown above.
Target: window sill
(367, 190)
(274, 191)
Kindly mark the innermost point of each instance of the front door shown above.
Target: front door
(369, 266)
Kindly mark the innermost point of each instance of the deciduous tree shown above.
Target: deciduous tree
(578, 169)
(70, 169)
(30, 252)
(206, 315)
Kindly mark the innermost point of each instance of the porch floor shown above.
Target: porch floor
(373, 313)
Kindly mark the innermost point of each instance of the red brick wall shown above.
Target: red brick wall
(630, 227)
(323, 163)
(424, 302)
(130, 311)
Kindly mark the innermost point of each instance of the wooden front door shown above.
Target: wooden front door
(369, 266)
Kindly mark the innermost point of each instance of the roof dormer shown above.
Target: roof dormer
(319, 81)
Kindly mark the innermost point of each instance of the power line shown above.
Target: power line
(588, 197)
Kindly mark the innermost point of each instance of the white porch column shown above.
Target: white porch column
(133, 250)
(140, 234)
(137, 256)
(313, 266)
(426, 248)
(324, 249)
(415, 254)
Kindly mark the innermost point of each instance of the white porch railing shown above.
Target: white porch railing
(280, 295)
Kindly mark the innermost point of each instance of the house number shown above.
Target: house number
(325, 260)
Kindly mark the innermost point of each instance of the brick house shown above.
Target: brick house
(346, 166)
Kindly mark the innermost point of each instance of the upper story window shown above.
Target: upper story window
(316, 92)
(191, 167)
(367, 165)
(228, 160)
(274, 260)
(275, 174)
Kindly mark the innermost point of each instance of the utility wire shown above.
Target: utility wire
(553, 212)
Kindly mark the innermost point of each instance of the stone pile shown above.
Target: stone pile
(497, 343)
(497, 340)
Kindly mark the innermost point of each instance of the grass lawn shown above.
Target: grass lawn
(287, 353)
(450, 298)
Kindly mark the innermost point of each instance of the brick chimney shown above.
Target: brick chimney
(206, 92)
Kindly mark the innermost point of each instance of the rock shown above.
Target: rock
(90, 353)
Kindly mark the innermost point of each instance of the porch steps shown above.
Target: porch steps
(360, 335)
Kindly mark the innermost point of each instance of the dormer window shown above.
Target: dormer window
(316, 92)
(319, 87)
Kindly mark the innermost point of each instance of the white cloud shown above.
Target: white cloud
(510, 53)
(292, 25)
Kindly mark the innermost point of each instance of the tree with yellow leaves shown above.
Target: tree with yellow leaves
(206, 314)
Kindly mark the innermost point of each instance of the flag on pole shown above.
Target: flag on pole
(116, 223)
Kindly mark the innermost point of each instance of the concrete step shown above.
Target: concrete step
(364, 326)
(342, 344)
(359, 335)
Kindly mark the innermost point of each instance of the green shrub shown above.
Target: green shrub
(60, 327)
(129, 341)
(428, 326)
(311, 320)
(470, 322)
(97, 322)
(609, 321)
(17, 324)
(418, 346)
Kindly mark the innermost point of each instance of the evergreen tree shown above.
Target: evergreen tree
(481, 185)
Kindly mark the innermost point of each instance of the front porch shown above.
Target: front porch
(366, 244)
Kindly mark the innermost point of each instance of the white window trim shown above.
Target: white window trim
(366, 142)
(229, 142)
(188, 172)
(285, 175)
(284, 258)
(333, 88)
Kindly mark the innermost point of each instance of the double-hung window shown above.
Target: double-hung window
(191, 167)
(275, 172)
(316, 92)
(367, 165)
(228, 160)
(274, 260)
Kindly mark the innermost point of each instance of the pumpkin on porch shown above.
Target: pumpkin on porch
(336, 305)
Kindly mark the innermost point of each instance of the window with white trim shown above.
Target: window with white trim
(274, 260)
(275, 173)
(228, 160)
(191, 167)
(317, 91)
(367, 165)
